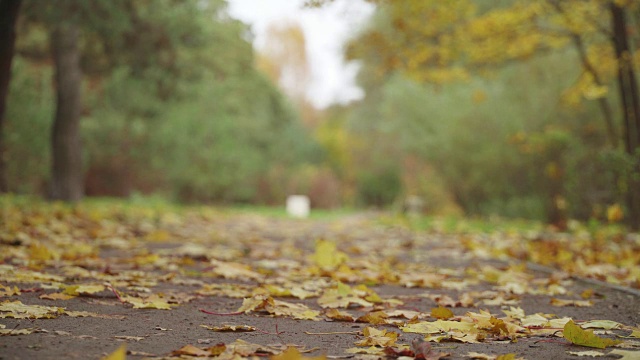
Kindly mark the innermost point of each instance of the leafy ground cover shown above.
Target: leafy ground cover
(128, 280)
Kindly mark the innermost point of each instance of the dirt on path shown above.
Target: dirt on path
(80, 286)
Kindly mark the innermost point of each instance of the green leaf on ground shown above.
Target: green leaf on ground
(576, 335)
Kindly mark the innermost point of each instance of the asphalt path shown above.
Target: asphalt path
(187, 261)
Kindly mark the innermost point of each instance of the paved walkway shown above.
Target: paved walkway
(144, 283)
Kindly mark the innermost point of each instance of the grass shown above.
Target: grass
(160, 204)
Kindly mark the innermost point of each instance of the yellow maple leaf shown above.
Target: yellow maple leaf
(342, 296)
(374, 317)
(258, 302)
(327, 256)
(296, 311)
(18, 310)
(375, 337)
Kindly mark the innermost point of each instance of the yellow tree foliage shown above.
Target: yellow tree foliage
(440, 42)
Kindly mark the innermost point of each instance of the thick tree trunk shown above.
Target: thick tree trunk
(66, 180)
(628, 87)
(8, 16)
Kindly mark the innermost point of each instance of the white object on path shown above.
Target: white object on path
(298, 206)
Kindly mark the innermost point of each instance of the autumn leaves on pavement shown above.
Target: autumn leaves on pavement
(347, 271)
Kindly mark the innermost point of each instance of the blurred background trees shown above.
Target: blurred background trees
(510, 108)
(171, 103)
(518, 107)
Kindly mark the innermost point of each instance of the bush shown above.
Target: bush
(379, 188)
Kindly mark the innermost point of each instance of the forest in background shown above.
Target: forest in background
(508, 108)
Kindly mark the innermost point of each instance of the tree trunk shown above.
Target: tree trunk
(8, 16)
(628, 88)
(66, 179)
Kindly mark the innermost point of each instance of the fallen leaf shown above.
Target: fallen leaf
(372, 350)
(118, 354)
(406, 314)
(258, 302)
(190, 350)
(230, 328)
(9, 291)
(18, 310)
(438, 326)
(14, 332)
(601, 324)
(244, 348)
(217, 349)
(336, 314)
(586, 353)
(374, 317)
(577, 303)
(141, 353)
(76, 290)
(151, 302)
(129, 338)
(294, 354)
(576, 335)
(56, 296)
(514, 313)
(442, 313)
(296, 311)
(506, 357)
(587, 294)
(375, 337)
(234, 270)
(480, 356)
(342, 296)
(626, 354)
(425, 350)
(91, 314)
(327, 256)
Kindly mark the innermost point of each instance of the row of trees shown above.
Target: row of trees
(156, 96)
(533, 73)
(515, 108)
